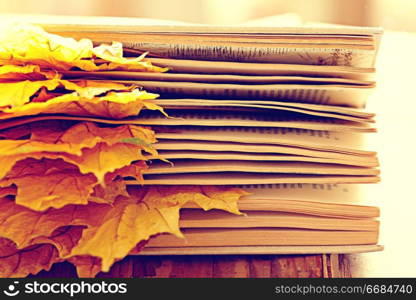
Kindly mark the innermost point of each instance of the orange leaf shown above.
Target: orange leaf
(27, 72)
(49, 183)
(91, 148)
(148, 211)
(31, 260)
(41, 255)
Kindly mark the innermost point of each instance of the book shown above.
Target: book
(282, 214)
(277, 111)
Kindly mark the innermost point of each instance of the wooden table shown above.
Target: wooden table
(220, 266)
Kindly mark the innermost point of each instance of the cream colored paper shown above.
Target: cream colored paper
(236, 178)
(256, 148)
(218, 156)
(243, 119)
(341, 142)
(210, 166)
(344, 95)
(193, 218)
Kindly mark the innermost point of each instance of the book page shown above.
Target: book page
(154, 26)
(128, 31)
(208, 166)
(341, 54)
(255, 148)
(184, 154)
(341, 95)
(215, 105)
(264, 236)
(340, 200)
(256, 250)
(238, 178)
(214, 78)
(193, 218)
(180, 118)
(262, 69)
(348, 111)
(325, 192)
(342, 142)
(306, 54)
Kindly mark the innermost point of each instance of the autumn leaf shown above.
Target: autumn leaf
(102, 234)
(40, 256)
(27, 72)
(148, 211)
(22, 262)
(63, 238)
(16, 94)
(91, 148)
(57, 183)
(23, 225)
(87, 266)
(83, 98)
(113, 54)
(113, 105)
(8, 191)
(24, 43)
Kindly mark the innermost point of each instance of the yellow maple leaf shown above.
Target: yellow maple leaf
(23, 225)
(49, 183)
(27, 72)
(94, 236)
(148, 211)
(16, 94)
(22, 262)
(63, 238)
(91, 148)
(24, 43)
(113, 55)
(113, 105)
(39, 256)
(57, 183)
(8, 191)
(81, 97)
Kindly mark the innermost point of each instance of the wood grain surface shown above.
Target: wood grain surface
(219, 266)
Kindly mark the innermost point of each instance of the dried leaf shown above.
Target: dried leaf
(46, 183)
(87, 266)
(113, 105)
(115, 185)
(24, 226)
(114, 56)
(41, 255)
(149, 211)
(63, 238)
(102, 234)
(91, 148)
(27, 72)
(23, 43)
(15, 94)
(22, 262)
(8, 191)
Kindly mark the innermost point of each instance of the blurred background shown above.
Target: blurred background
(390, 14)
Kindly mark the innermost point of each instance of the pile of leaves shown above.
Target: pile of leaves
(63, 194)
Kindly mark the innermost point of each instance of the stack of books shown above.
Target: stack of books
(278, 112)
